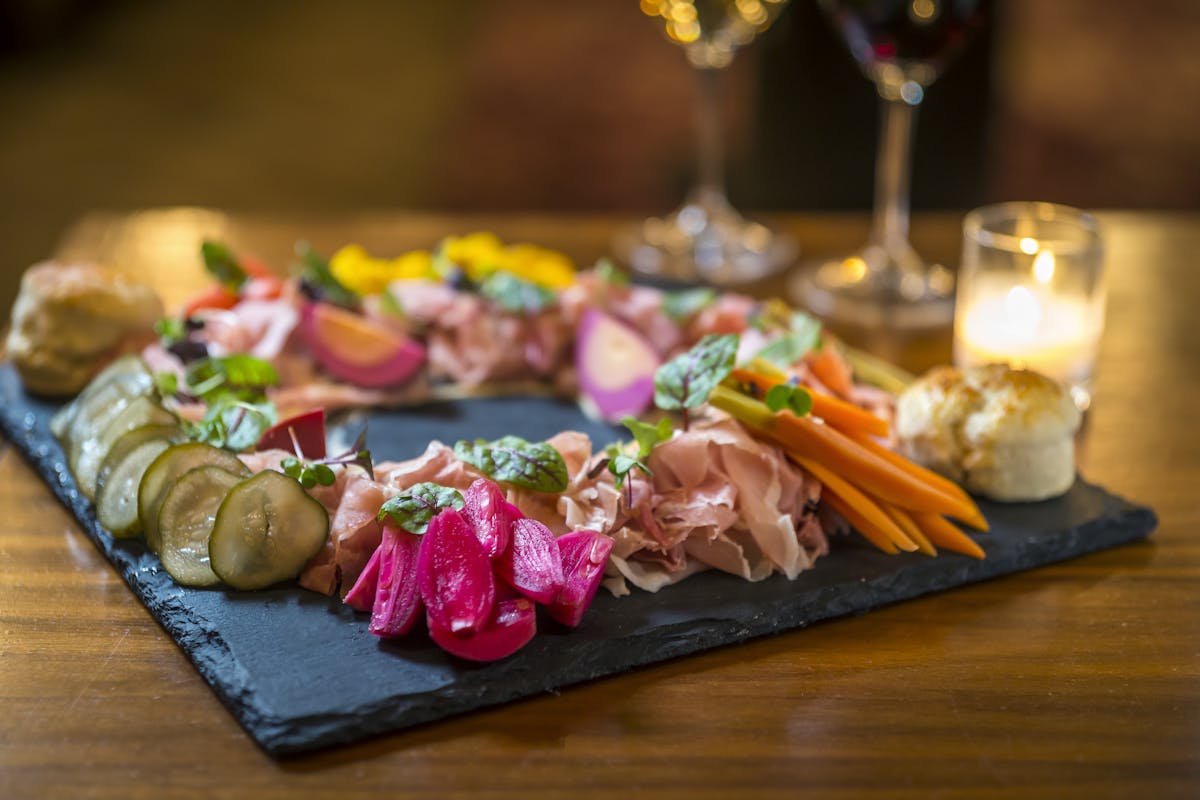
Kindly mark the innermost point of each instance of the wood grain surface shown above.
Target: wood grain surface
(1076, 680)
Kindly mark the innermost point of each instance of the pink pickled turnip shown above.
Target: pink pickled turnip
(351, 347)
(397, 598)
(455, 575)
(584, 556)
(532, 564)
(361, 596)
(512, 624)
(307, 428)
(615, 366)
(490, 515)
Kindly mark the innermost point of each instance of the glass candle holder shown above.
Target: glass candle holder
(1031, 292)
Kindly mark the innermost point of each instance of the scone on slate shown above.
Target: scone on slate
(70, 319)
(1002, 433)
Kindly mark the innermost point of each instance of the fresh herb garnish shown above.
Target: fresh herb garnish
(684, 304)
(609, 274)
(686, 381)
(414, 508)
(318, 279)
(514, 294)
(621, 463)
(234, 390)
(223, 265)
(231, 423)
(786, 396)
(166, 384)
(311, 473)
(171, 330)
(511, 459)
(241, 376)
(803, 335)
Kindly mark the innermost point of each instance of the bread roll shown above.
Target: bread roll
(1002, 433)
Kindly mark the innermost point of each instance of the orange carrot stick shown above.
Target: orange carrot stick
(838, 413)
(852, 516)
(975, 520)
(831, 369)
(901, 518)
(867, 514)
(946, 534)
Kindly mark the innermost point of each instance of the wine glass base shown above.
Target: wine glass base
(704, 243)
(871, 289)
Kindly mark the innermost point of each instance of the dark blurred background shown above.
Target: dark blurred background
(494, 105)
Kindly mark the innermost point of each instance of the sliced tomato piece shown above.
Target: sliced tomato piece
(216, 296)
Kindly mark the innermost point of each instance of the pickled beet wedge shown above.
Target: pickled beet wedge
(397, 599)
(455, 576)
(361, 596)
(512, 624)
(308, 429)
(584, 556)
(490, 515)
(532, 564)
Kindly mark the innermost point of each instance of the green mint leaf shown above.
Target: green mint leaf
(684, 304)
(609, 274)
(687, 380)
(514, 294)
(647, 435)
(414, 508)
(315, 273)
(793, 398)
(511, 459)
(803, 335)
(222, 265)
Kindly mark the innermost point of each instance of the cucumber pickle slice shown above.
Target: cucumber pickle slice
(121, 368)
(266, 530)
(116, 501)
(186, 520)
(166, 469)
(88, 454)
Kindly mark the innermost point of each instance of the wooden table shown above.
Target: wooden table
(1081, 679)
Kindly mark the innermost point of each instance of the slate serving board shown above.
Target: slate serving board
(268, 655)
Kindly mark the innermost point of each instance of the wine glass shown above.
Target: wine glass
(706, 239)
(902, 46)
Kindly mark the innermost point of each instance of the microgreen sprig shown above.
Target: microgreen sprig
(310, 473)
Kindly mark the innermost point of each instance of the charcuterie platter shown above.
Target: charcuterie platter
(301, 669)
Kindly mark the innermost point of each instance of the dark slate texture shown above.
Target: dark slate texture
(268, 655)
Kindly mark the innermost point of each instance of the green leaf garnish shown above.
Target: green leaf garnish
(415, 507)
(684, 304)
(312, 473)
(514, 294)
(171, 330)
(686, 381)
(242, 376)
(223, 265)
(166, 384)
(511, 459)
(233, 424)
(315, 272)
(647, 435)
(803, 335)
(609, 274)
(621, 464)
(793, 398)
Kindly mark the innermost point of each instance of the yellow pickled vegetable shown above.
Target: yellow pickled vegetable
(365, 274)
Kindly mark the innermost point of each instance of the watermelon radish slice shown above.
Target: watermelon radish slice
(397, 599)
(454, 576)
(615, 365)
(355, 349)
(490, 515)
(532, 564)
(510, 627)
(309, 429)
(361, 596)
(584, 556)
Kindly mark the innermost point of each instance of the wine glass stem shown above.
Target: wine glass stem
(710, 179)
(892, 171)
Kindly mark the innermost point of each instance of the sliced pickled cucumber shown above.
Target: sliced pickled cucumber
(116, 501)
(185, 523)
(119, 369)
(86, 456)
(127, 443)
(166, 469)
(267, 529)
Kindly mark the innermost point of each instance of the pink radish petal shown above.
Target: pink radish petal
(584, 556)
(455, 575)
(510, 627)
(397, 600)
(361, 596)
(490, 516)
(532, 565)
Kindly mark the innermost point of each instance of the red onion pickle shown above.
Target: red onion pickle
(532, 564)
(455, 576)
(361, 596)
(510, 627)
(615, 365)
(397, 599)
(490, 515)
(356, 349)
(584, 556)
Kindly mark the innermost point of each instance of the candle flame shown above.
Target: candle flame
(1043, 267)
(1029, 246)
(1022, 312)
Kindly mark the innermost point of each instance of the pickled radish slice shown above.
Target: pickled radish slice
(397, 598)
(615, 365)
(490, 515)
(511, 626)
(584, 556)
(532, 564)
(455, 576)
(361, 596)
